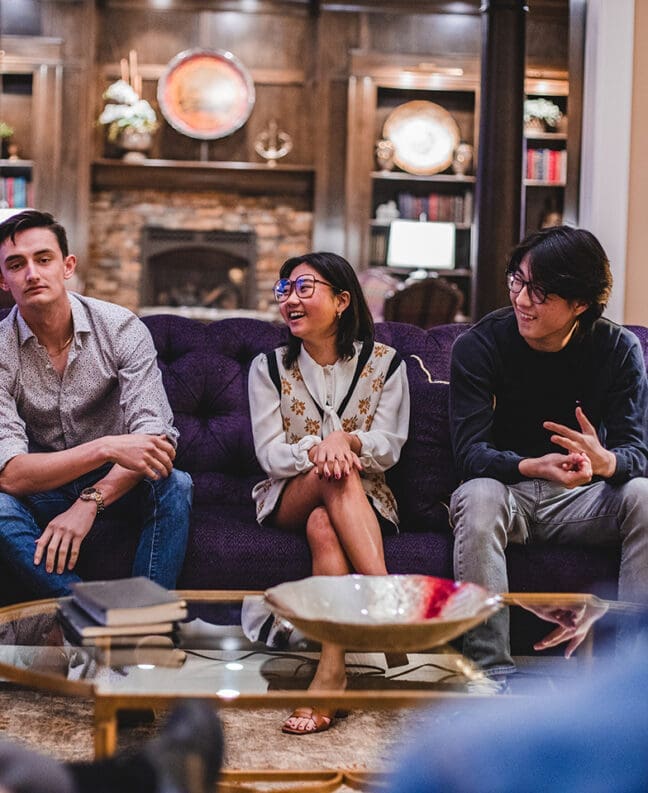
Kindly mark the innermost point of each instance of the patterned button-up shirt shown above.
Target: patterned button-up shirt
(111, 384)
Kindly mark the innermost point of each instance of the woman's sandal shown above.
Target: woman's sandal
(311, 720)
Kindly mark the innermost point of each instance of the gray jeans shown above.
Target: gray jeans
(486, 515)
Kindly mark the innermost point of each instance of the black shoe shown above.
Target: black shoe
(188, 754)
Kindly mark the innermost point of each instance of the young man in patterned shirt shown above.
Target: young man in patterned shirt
(84, 420)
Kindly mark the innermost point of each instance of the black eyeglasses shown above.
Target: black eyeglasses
(304, 287)
(515, 284)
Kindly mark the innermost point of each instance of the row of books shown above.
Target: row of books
(127, 607)
(547, 165)
(443, 207)
(16, 191)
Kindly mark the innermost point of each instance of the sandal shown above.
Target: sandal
(306, 721)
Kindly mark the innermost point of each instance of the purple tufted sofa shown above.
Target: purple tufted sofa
(205, 367)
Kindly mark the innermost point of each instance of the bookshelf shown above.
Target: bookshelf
(377, 87)
(545, 173)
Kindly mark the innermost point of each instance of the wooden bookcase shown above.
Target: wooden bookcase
(31, 103)
(546, 153)
(376, 87)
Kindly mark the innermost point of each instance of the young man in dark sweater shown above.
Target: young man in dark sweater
(548, 406)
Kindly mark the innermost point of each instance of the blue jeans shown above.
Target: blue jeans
(486, 515)
(163, 506)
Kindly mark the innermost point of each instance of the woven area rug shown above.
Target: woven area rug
(62, 727)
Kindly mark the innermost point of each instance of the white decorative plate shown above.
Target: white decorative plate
(424, 135)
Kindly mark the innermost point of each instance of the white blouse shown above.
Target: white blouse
(328, 385)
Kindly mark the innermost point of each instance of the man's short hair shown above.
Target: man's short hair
(570, 263)
(33, 219)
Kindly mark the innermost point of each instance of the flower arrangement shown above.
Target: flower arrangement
(125, 110)
(6, 131)
(543, 110)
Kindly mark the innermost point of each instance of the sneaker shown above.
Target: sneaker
(188, 754)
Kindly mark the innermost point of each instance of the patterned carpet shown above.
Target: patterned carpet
(62, 727)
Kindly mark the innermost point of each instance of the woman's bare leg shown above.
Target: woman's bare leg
(349, 511)
(328, 559)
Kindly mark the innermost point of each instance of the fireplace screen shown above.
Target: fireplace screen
(186, 267)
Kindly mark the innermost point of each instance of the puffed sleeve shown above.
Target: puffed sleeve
(382, 444)
(278, 458)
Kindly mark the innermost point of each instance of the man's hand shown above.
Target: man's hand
(574, 623)
(334, 458)
(571, 470)
(147, 455)
(63, 536)
(585, 441)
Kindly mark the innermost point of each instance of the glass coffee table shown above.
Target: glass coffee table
(211, 658)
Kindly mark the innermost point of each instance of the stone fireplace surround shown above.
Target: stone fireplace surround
(117, 219)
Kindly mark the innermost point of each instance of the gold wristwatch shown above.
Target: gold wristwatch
(92, 494)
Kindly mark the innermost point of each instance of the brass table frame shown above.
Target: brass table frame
(107, 705)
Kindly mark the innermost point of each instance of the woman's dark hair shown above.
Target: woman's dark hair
(570, 263)
(33, 219)
(355, 323)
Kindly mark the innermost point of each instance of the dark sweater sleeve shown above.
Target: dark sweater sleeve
(626, 410)
(472, 402)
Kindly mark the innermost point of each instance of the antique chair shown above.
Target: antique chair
(425, 302)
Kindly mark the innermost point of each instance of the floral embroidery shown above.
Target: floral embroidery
(350, 424)
(312, 427)
(300, 419)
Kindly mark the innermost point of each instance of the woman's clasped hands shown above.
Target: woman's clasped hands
(334, 457)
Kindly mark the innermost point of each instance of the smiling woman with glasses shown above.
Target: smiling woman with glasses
(330, 414)
(304, 287)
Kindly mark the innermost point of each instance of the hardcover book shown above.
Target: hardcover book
(82, 626)
(128, 601)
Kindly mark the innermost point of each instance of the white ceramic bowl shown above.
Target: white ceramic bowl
(402, 613)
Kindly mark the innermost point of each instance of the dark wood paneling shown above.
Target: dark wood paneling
(424, 34)
(157, 36)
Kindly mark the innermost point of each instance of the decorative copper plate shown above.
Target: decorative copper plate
(206, 94)
(402, 613)
(424, 135)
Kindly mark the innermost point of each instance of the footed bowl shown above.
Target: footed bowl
(401, 613)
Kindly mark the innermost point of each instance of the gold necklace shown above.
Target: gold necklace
(65, 346)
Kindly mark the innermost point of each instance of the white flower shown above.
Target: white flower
(126, 110)
(543, 109)
(121, 92)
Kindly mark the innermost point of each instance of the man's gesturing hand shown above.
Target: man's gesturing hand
(148, 455)
(585, 441)
(570, 470)
(63, 535)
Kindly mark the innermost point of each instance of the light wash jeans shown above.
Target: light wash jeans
(163, 507)
(486, 515)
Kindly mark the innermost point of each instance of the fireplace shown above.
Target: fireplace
(184, 267)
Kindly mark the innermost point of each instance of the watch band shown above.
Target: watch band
(92, 494)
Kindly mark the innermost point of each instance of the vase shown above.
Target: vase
(134, 143)
(463, 159)
(385, 151)
(534, 125)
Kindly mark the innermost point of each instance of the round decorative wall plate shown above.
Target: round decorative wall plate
(206, 94)
(424, 135)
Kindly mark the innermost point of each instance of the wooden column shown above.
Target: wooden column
(499, 170)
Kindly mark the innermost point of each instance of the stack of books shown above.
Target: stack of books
(125, 607)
